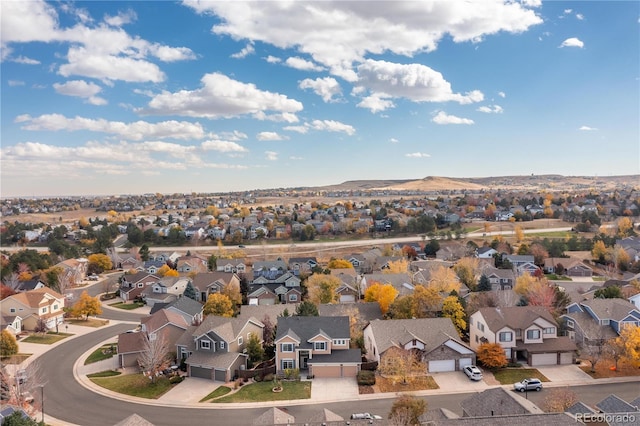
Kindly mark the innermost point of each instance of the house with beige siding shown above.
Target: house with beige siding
(31, 306)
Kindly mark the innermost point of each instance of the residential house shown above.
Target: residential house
(215, 349)
(130, 345)
(73, 270)
(527, 334)
(635, 300)
(572, 267)
(486, 252)
(349, 289)
(29, 285)
(302, 265)
(593, 321)
(11, 323)
(34, 305)
(132, 285)
(194, 263)
(165, 290)
(319, 345)
(217, 232)
(190, 310)
(497, 402)
(213, 282)
(152, 266)
(615, 404)
(436, 340)
(237, 266)
(195, 232)
(275, 278)
(522, 264)
(500, 279)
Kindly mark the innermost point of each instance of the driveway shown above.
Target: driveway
(329, 389)
(457, 381)
(565, 374)
(190, 390)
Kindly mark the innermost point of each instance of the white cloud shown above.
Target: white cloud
(502, 94)
(326, 87)
(271, 155)
(394, 140)
(132, 131)
(417, 155)
(532, 3)
(337, 34)
(294, 158)
(273, 59)
(572, 42)
(14, 83)
(332, 126)
(302, 64)
(270, 136)
(443, 118)
(223, 146)
(103, 51)
(491, 109)
(223, 97)
(587, 128)
(26, 61)
(81, 89)
(568, 11)
(298, 129)
(122, 18)
(579, 16)
(375, 103)
(415, 82)
(246, 51)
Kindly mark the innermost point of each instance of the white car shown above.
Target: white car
(365, 416)
(93, 277)
(473, 372)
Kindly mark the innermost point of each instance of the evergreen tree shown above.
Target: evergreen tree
(144, 252)
(189, 291)
(307, 309)
(484, 284)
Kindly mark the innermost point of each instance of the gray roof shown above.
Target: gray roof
(433, 332)
(615, 309)
(515, 317)
(271, 311)
(226, 328)
(497, 402)
(325, 417)
(274, 416)
(615, 404)
(367, 311)
(186, 339)
(187, 305)
(213, 359)
(580, 408)
(590, 327)
(338, 357)
(636, 402)
(557, 344)
(134, 420)
(307, 327)
(546, 419)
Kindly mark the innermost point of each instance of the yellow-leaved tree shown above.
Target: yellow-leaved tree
(630, 339)
(444, 280)
(599, 251)
(451, 308)
(100, 262)
(339, 264)
(86, 306)
(384, 294)
(397, 267)
(467, 269)
(426, 302)
(218, 305)
(321, 288)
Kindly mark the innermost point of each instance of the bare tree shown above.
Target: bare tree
(506, 298)
(593, 345)
(12, 281)
(64, 282)
(402, 364)
(24, 383)
(154, 356)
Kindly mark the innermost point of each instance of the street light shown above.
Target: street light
(42, 401)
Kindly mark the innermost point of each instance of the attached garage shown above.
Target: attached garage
(544, 359)
(200, 372)
(347, 298)
(220, 376)
(334, 370)
(463, 362)
(566, 358)
(442, 365)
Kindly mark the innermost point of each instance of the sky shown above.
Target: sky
(119, 97)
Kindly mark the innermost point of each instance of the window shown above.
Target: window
(287, 363)
(44, 310)
(240, 341)
(570, 323)
(55, 307)
(12, 310)
(286, 347)
(506, 336)
(533, 334)
(476, 339)
(140, 285)
(205, 344)
(293, 298)
(320, 346)
(605, 322)
(480, 326)
(550, 330)
(340, 342)
(222, 345)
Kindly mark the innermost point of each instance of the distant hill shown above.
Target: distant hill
(530, 182)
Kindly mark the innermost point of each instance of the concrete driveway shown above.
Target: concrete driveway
(457, 381)
(565, 374)
(329, 389)
(190, 390)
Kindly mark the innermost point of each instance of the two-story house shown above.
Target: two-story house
(32, 306)
(436, 339)
(527, 334)
(215, 349)
(596, 320)
(316, 345)
(500, 279)
(166, 290)
(302, 265)
(237, 266)
(208, 283)
(73, 270)
(132, 285)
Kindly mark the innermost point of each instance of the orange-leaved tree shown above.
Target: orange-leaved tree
(384, 294)
(86, 306)
(491, 355)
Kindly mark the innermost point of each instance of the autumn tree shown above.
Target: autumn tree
(451, 308)
(559, 399)
(322, 288)
(427, 302)
(6, 291)
(519, 233)
(402, 308)
(401, 364)
(99, 263)
(599, 251)
(219, 305)
(625, 227)
(444, 280)
(339, 264)
(630, 339)
(406, 410)
(8, 344)
(399, 266)
(171, 273)
(154, 356)
(539, 253)
(466, 270)
(162, 271)
(491, 355)
(232, 291)
(384, 294)
(86, 306)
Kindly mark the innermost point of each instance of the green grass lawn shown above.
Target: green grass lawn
(46, 339)
(14, 359)
(102, 353)
(555, 234)
(106, 373)
(261, 391)
(555, 277)
(91, 322)
(508, 376)
(126, 306)
(222, 390)
(134, 385)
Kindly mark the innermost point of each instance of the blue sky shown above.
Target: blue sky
(158, 96)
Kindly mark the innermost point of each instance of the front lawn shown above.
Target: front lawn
(91, 322)
(604, 369)
(385, 384)
(218, 392)
(127, 306)
(46, 339)
(105, 351)
(14, 359)
(106, 373)
(509, 376)
(134, 385)
(261, 391)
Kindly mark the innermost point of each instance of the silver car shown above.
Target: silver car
(473, 372)
(528, 385)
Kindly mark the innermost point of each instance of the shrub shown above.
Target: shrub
(245, 380)
(257, 378)
(514, 365)
(268, 377)
(366, 378)
(291, 373)
(175, 379)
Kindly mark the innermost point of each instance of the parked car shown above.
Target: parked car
(21, 376)
(528, 384)
(365, 416)
(473, 372)
(93, 277)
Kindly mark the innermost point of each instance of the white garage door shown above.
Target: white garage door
(566, 358)
(347, 298)
(464, 362)
(444, 365)
(544, 359)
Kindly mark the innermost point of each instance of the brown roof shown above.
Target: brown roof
(134, 420)
(497, 402)
(33, 298)
(129, 343)
(203, 279)
(556, 344)
(162, 318)
(515, 317)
